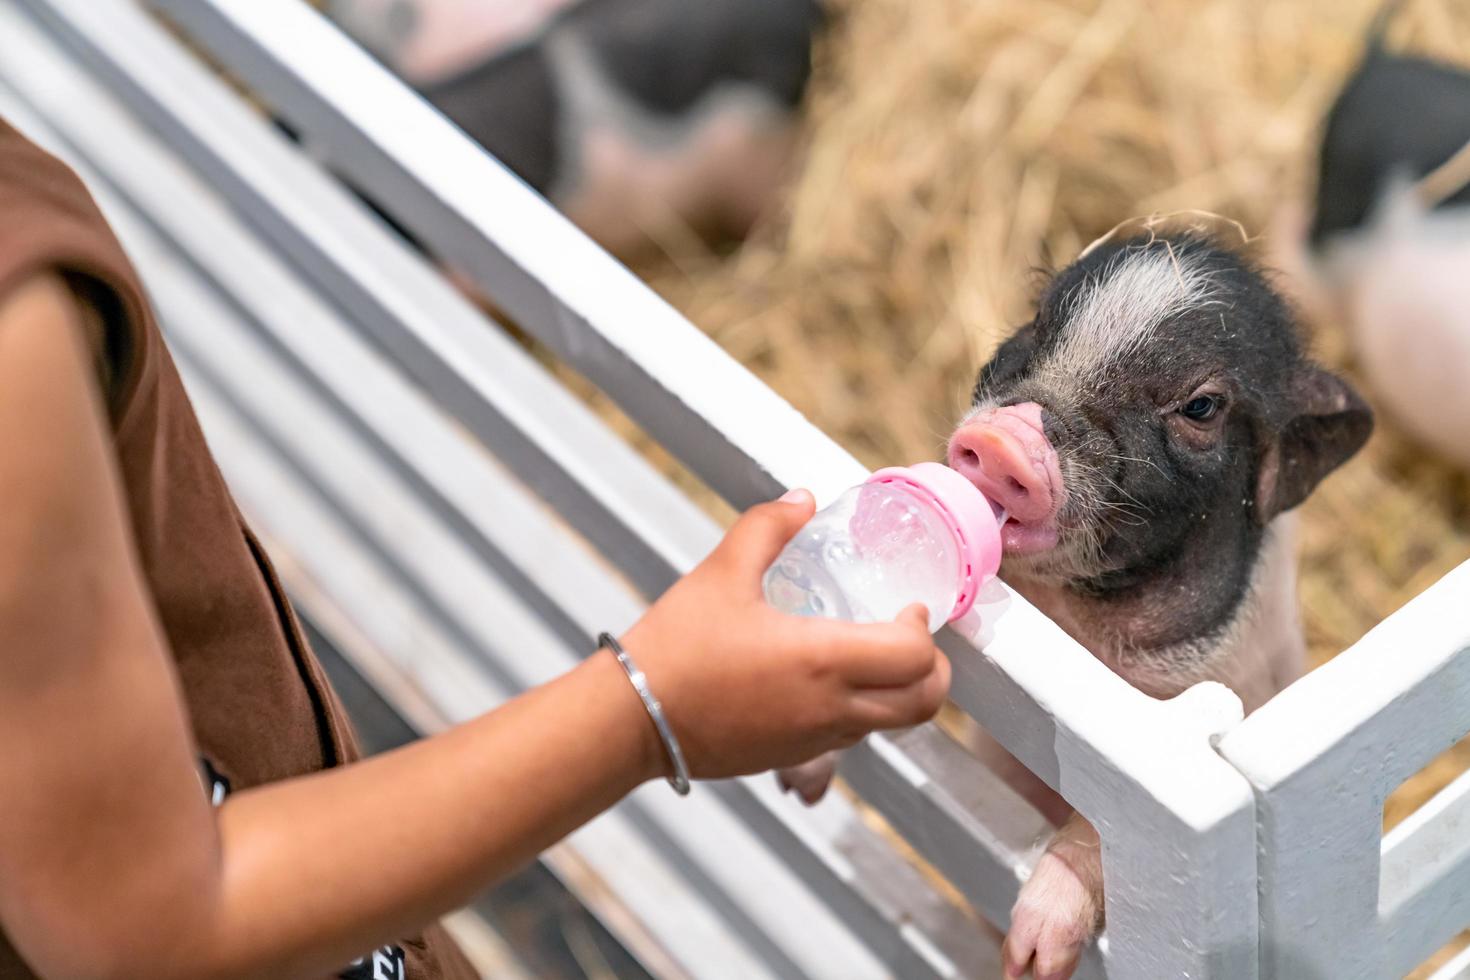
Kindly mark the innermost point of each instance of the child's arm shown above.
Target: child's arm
(112, 862)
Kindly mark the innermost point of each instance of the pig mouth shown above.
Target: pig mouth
(1005, 453)
(1028, 539)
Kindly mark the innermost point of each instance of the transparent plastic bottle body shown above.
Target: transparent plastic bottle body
(874, 551)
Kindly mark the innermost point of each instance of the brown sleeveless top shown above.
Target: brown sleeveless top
(260, 706)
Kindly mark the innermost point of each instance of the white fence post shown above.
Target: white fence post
(1176, 821)
(1338, 900)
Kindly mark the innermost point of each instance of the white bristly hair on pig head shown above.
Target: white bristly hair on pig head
(1122, 306)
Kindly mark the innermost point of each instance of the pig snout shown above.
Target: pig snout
(1005, 453)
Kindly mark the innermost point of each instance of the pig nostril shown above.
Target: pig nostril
(1017, 487)
(969, 457)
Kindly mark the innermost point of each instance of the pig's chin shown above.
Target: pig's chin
(1028, 539)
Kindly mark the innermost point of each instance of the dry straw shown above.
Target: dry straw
(957, 146)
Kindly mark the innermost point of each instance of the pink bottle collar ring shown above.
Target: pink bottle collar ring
(970, 517)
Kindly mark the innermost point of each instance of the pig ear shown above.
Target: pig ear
(1328, 422)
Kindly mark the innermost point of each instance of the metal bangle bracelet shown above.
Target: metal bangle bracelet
(680, 778)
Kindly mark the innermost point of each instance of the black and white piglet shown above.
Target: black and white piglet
(1388, 246)
(631, 116)
(1150, 433)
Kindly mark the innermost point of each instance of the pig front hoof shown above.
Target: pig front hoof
(810, 779)
(1054, 917)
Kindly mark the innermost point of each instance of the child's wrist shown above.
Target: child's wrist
(646, 755)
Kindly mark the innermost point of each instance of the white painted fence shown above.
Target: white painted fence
(1339, 899)
(461, 526)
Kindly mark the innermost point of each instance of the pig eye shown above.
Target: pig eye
(1201, 408)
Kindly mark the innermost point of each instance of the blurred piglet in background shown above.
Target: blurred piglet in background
(1387, 251)
(641, 120)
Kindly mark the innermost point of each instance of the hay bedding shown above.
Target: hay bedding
(955, 146)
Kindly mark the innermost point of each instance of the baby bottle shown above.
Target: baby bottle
(919, 533)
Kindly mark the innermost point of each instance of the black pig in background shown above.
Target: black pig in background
(641, 120)
(1387, 249)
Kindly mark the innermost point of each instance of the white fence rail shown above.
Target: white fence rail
(461, 525)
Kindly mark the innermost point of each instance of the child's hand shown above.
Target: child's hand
(747, 688)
